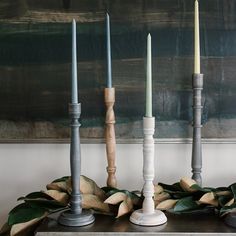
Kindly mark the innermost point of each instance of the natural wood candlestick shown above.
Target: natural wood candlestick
(110, 137)
(148, 216)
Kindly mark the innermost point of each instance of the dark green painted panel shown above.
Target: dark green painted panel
(35, 66)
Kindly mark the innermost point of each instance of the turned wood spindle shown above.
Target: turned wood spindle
(110, 137)
(148, 215)
(197, 83)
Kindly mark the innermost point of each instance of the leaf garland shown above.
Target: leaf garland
(185, 196)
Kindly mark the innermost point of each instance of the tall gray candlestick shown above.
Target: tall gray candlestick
(197, 82)
(109, 75)
(74, 92)
(75, 216)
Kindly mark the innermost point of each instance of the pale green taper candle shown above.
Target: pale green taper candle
(149, 78)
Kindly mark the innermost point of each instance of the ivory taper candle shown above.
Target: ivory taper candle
(74, 92)
(149, 78)
(196, 39)
(109, 76)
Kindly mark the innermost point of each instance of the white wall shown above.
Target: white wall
(29, 167)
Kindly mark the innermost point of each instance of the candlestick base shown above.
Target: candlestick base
(69, 218)
(148, 219)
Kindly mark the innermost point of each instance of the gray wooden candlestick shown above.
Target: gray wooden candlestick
(197, 83)
(75, 216)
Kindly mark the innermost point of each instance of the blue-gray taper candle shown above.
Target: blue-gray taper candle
(109, 76)
(74, 92)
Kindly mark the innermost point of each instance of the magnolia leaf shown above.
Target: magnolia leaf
(68, 185)
(47, 205)
(228, 209)
(171, 188)
(196, 187)
(233, 189)
(87, 186)
(136, 200)
(161, 197)
(58, 196)
(209, 198)
(222, 189)
(116, 198)
(92, 201)
(107, 189)
(5, 229)
(62, 179)
(158, 189)
(185, 204)
(24, 212)
(230, 203)
(223, 200)
(223, 193)
(59, 186)
(125, 207)
(186, 184)
(178, 195)
(36, 195)
(112, 191)
(167, 204)
(21, 227)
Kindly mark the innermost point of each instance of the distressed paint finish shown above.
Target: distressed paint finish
(197, 82)
(148, 215)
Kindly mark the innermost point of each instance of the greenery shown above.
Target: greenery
(182, 197)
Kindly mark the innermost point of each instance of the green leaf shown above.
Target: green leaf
(132, 195)
(23, 213)
(233, 189)
(178, 195)
(227, 209)
(186, 204)
(51, 205)
(62, 179)
(223, 200)
(177, 186)
(36, 195)
(205, 190)
(222, 189)
(173, 188)
(108, 189)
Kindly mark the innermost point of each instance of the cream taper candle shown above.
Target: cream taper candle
(196, 39)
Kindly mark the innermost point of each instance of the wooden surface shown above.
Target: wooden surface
(35, 67)
(176, 225)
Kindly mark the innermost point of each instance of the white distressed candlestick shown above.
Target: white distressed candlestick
(148, 215)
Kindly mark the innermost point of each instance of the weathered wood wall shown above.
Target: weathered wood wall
(35, 66)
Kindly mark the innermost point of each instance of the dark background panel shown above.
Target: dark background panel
(35, 66)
